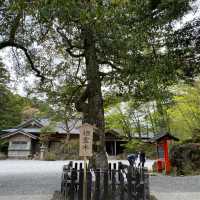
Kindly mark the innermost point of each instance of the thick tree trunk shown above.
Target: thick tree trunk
(91, 102)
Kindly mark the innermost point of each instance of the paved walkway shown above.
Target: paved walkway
(37, 180)
(29, 180)
(26, 197)
(175, 188)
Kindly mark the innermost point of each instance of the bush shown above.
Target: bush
(137, 145)
(186, 158)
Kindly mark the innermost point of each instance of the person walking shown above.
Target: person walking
(132, 158)
(142, 158)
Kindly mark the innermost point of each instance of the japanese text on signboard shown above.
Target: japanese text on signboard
(86, 138)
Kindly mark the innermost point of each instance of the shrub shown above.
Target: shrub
(186, 158)
(137, 145)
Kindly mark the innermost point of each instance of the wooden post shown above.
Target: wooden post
(105, 179)
(129, 180)
(115, 148)
(72, 185)
(113, 172)
(97, 185)
(121, 182)
(85, 180)
(89, 185)
(80, 191)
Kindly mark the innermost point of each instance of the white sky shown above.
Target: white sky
(18, 84)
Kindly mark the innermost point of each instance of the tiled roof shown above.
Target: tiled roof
(58, 128)
(160, 136)
(8, 134)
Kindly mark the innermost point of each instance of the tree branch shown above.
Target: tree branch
(110, 64)
(15, 26)
(11, 43)
(74, 55)
(25, 50)
(69, 43)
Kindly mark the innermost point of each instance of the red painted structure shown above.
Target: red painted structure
(162, 142)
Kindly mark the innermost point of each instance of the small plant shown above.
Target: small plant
(152, 197)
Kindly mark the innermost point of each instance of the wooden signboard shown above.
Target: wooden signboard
(86, 138)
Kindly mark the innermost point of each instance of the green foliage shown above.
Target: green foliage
(46, 131)
(137, 145)
(132, 44)
(184, 114)
(119, 120)
(4, 76)
(128, 118)
(49, 128)
(14, 109)
(128, 34)
(10, 109)
(186, 158)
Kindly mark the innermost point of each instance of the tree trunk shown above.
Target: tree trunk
(91, 102)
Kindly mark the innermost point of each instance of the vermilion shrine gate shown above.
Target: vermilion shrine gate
(162, 142)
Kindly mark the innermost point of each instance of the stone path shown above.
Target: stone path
(25, 197)
(37, 180)
(175, 188)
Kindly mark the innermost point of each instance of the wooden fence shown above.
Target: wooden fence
(126, 183)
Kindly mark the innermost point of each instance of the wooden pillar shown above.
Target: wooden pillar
(115, 148)
(166, 157)
(159, 158)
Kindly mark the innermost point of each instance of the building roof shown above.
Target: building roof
(7, 135)
(162, 136)
(32, 122)
(34, 126)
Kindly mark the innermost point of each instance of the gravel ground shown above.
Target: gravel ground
(37, 180)
(175, 188)
(31, 179)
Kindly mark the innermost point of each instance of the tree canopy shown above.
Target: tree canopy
(126, 46)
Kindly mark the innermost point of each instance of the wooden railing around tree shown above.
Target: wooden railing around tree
(125, 183)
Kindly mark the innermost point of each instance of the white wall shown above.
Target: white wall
(14, 152)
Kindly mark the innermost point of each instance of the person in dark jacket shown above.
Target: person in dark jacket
(132, 158)
(142, 158)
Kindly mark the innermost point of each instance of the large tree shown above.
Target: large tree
(90, 43)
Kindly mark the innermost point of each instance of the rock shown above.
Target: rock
(57, 196)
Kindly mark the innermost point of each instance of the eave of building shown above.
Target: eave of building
(163, 136)
(7, 135)
(31, 121)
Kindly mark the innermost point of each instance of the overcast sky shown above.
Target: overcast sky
(17, 85)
